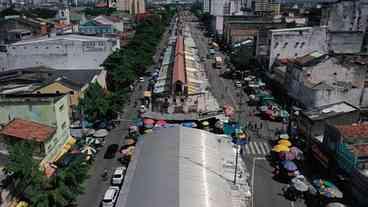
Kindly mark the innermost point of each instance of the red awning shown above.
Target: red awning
(179, 70)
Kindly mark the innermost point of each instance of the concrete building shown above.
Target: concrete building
(345, 42)
(316, 80)
(346, 16)
(221, 8)
(348, 144)
(102, 25)
(206, 5)
(37, 111)
(292, 42)
(311, 123)
(59, 52)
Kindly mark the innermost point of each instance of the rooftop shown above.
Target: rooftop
(69, 37)
(34, 97)
(26, 80)
(177, 167)
(330, 110)
(28, 130)
(354, 132)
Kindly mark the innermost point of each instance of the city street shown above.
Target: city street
(95, 186)
(266, 192)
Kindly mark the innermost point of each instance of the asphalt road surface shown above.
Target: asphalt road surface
(95, 185)
(266, 191)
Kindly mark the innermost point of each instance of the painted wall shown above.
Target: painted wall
(59, 54)
(296, 42)
(73, 99)
(52, 114)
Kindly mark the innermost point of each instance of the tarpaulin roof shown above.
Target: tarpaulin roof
(179, 70)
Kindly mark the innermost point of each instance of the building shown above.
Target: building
(21, 115)
(291, 43)
(266, 7)
(221, 8)
(102, 25)
(197, 167)
(240, 28)
(315, 80)
(59, 52)
(349, 145)
(49, 81)
(206, 6)
(311, 125)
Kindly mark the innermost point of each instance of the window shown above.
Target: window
(296, 54)
(301, 45)
(275, 46)
(63, 125)
(61, 108)
(296, 45)
(285, 44)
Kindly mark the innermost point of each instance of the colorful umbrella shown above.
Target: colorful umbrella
(289, 165)
(284, 142)
(287, 156)
(280, 148)
(161, 123)
(148, 122)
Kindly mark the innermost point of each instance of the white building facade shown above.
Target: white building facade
(59, 52)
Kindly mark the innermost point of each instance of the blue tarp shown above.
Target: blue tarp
(230, 128)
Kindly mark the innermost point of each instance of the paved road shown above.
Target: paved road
(95, 186)
(267, 192)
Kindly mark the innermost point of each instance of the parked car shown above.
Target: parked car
(141, 79)
(118, 176)
(111, 151)
(110, 197)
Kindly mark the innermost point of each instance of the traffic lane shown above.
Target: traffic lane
(265, 191)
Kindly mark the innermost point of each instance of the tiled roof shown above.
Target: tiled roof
(179, 70)
(359, 131)
(28, 130)
(360, 150)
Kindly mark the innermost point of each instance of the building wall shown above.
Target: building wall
(60, 54)
(48, 113)
(345, 42)
(348, 16)
(296, 42)
(73, 99)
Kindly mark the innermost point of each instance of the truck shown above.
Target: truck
(218, 62)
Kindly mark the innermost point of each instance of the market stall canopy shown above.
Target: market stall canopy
(284, 142)
(327, 188)
(284, 136)
(86, 149)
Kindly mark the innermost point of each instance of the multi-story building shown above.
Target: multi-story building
(291, 43)
(316, 80)
(58, 52)
(43, 118)
(348, 144)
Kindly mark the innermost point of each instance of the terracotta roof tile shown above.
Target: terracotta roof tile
(179, 70)
(28, 130)
(358, 131)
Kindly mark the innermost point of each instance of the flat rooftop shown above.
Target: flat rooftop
(330, 110)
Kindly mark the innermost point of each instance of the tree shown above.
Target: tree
(95, 103)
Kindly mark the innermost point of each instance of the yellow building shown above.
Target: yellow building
(75, 88)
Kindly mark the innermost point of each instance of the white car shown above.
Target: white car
(111, 196)
(118, 176)
(238, 84)
(141, 79)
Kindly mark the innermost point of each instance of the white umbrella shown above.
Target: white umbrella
(300, 185)
(101, 133)
(335, 204)
(92, 140)
(86, 149)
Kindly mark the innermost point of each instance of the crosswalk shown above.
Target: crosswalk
(257, 148)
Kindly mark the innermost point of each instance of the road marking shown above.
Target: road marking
(257, 148)
(261, 146)
(247, 150)
(267, 147)
(253, 170)
(251, 147)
